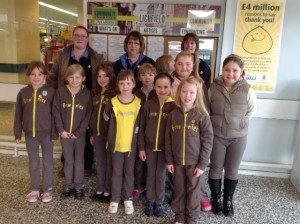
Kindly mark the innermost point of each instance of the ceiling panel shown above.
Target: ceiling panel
(74, 6)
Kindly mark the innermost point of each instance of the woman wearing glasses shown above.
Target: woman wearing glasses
(134, 46)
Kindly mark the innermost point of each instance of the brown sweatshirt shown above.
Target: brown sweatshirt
(153, 123)
(140, 94)
(34, 112)
(99, 103)
(72, 113)
(189, 138)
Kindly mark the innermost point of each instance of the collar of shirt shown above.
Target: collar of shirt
(85, 54)
(124, 59)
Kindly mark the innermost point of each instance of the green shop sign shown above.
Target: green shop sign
(105, 16)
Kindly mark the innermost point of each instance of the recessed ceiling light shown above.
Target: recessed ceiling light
(58, 9)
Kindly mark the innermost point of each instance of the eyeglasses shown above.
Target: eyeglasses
(190, 42)
(133, 43)
(77, 36)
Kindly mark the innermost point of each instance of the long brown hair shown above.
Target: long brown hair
(162, 63)
(107, 68)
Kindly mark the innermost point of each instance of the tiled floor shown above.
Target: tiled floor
(257, 199)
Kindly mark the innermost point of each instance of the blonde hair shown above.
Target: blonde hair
(162, 63)
(184, 54)
(147, 68)
(194, 57)
(199, 101)
(74, 68)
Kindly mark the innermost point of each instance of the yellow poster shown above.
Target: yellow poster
(257, 40)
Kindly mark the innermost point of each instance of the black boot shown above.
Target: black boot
(229, 188)
(215, 188)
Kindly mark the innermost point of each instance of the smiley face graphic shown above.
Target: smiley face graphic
(257, 41)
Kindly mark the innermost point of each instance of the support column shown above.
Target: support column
(19, 38)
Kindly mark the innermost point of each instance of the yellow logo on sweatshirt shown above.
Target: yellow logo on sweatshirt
(176, 127)
(41, 99)
(192, 127)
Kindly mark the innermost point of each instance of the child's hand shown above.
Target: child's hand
(92, 140)
(64, 134)
(72, 136)
(170, 168)
(198, 172)
(142, 155)
(18, 141)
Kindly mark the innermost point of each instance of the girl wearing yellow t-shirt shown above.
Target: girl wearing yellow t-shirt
(121, 121)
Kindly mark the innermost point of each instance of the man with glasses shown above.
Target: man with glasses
(77, 53)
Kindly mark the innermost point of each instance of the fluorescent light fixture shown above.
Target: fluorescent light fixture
(52, 21)
(58, 9)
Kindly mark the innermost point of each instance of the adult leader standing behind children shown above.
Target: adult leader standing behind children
(78, 53)
(190, 43)
(134, 46)
(232, 105)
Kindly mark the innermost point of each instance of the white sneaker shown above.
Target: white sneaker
(113, 207)
(33, 196)
(128, 205)
(47, 197)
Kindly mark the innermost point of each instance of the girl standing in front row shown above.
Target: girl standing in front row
(103, 92)
(232, 105)
(34, 116)
(189, 138)
(121, 124)
(151, 142)
(72, 109)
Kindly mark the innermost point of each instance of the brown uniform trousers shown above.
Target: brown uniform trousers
(122, 163)
(32, 145)
(73, 150)
(186, 196)
(103, 165)
(156, 175)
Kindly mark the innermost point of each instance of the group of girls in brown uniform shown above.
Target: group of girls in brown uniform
(168, 126)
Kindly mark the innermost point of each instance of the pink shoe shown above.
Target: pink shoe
(136, 193)
(205, 205)
(33, 196)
